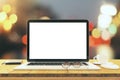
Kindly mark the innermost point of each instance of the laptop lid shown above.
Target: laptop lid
(57, 40)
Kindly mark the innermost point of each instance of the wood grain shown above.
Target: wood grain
(60, 78)
(8, 72)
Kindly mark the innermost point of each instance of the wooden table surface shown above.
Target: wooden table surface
(8, 71)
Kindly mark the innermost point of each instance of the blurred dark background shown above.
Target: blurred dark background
(103, 15)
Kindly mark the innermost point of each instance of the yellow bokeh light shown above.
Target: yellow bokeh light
(45, 18)
(96, 33)
(6, 8)
(7, 25)
(3, 16)
(108, 10)
(116, 21)
(119, 15)
(13, 18)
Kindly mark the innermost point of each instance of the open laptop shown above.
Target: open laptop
(51, 43)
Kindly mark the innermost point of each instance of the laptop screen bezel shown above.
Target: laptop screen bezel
(57, 60)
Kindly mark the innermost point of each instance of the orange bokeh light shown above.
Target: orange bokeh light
(24, 39)
(97, 41)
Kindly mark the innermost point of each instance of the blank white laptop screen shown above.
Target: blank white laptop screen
(64, 40)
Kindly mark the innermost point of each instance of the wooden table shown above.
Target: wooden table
(7, 72)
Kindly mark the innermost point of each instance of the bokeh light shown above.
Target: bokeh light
(7, 25)
(112, 29)
(45, 18)
(14, 37)
(91, 41)
(119, 15)
(108, 10)
(116, 21)
(3, 16)
(24, 39)
(105, 35)
(98, 41)
(96, 33)
(101, 31)
(91, 26)
(6, 8)
(104, 21)
(107, 42)
(105, 50)
(13, 18)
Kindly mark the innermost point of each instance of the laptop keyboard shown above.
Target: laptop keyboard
(44, 63)
(34, 63)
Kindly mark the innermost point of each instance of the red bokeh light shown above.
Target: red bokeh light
(24, 39)
(97, 41)
(91, 26)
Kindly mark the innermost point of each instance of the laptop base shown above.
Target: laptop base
(25, 66)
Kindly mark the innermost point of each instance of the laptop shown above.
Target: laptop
(55, 44)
